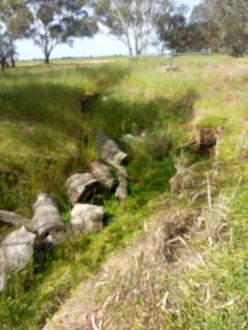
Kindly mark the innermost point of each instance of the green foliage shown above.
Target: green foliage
(213, 121)
(132, 21)
(227, 24)
(57, 22)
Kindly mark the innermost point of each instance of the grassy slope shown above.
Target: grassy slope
(40, 128)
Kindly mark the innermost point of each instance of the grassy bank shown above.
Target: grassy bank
(45, 136)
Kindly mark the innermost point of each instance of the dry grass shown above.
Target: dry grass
(128, 276)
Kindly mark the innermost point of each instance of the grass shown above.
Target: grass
(45, 137)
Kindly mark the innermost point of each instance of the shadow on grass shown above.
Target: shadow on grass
(52, 98)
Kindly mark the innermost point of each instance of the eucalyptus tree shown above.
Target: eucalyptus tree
(15, 21)
(5, 49)
(180, 33)
(132, 21)
(58, 22)
(229, 22)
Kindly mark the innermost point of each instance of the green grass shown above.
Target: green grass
(42, 130)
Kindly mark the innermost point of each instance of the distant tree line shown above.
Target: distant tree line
(218, 24)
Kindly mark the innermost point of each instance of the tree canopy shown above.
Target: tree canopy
(227, 24)
(58, 21)
(132, 21)
(15, 20)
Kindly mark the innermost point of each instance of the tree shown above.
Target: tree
(15, 20)
(229, 22)
(5, 50)
(132, 21)
(58, 21)
(180, 35)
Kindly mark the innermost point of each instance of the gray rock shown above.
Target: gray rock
(102, 173)
(81, 187)
(46, 215)
(13, 219)
(109, 151)
(2, 270)
(87, 218)
(18, 249)
(121, 191)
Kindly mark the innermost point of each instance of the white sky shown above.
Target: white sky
(100, 45)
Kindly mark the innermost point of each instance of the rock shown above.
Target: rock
(13, 219)
(2, 270)
(113, 156)
(102, 173)
(121, 191)
(18, 249)
(46, 215)
(87, 218)
(109, 150)
(81, 187)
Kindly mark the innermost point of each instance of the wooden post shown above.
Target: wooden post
(209, 58)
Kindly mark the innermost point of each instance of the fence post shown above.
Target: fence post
(172, 60)
(209, 57)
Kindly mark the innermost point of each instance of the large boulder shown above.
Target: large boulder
(13, 219)
(87, 218)
(46, 215)
(109, 151)
(81, 187)
(17, 248)
(103, 174)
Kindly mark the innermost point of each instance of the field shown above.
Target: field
(45, 136)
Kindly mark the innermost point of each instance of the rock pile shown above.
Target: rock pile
(34, 238)
(82, 187)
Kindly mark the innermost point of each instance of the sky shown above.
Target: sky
(101, 45)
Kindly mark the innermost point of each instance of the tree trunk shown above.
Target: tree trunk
(129, 46)
(47, 59)
(3, 63)
(13, 63)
